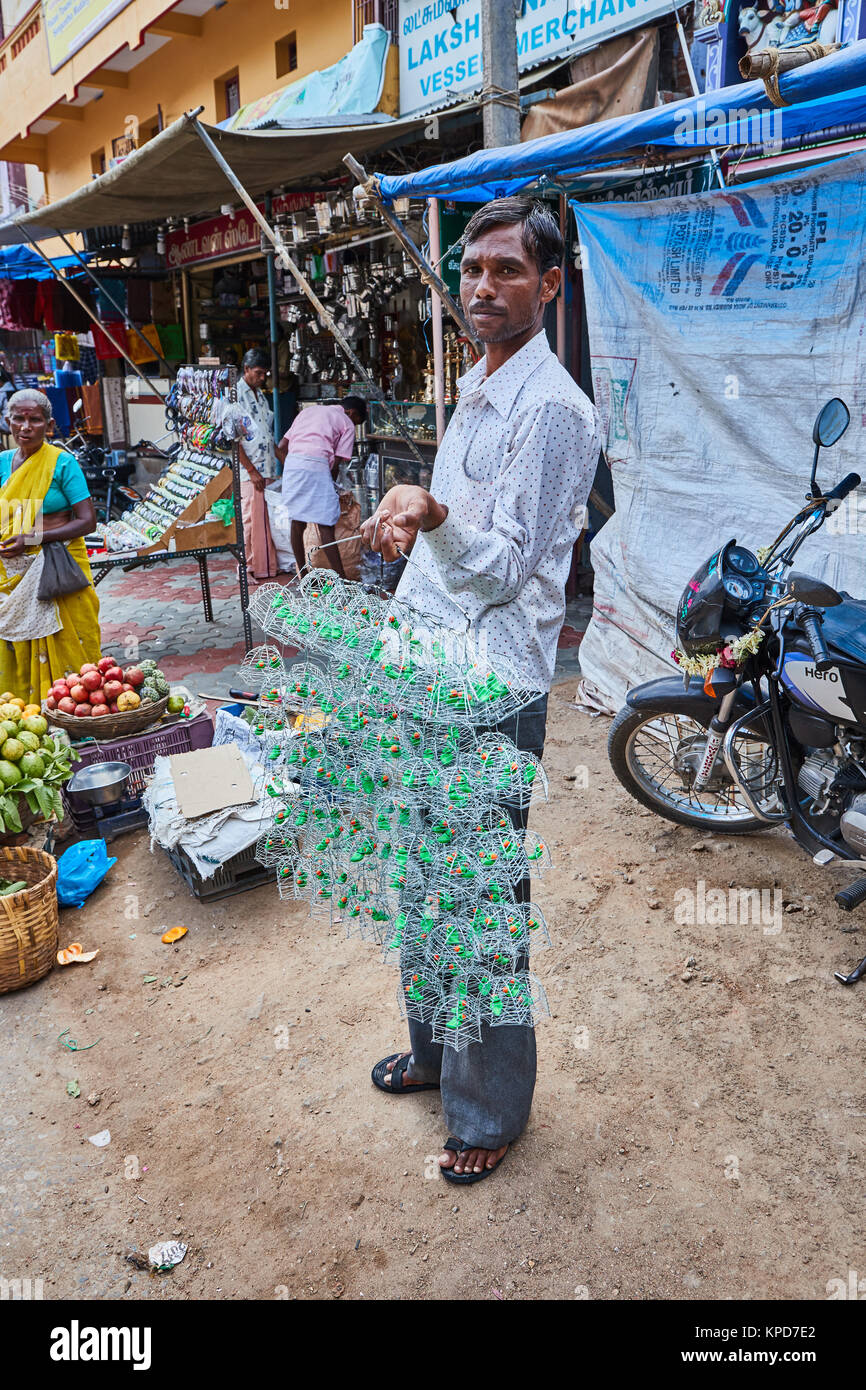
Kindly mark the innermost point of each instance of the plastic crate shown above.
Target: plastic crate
(237, 875)
(142, 750)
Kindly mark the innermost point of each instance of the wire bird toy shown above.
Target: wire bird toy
(397, 805)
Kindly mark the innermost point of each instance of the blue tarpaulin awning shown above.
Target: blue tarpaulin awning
(20, 263)
(821, 94)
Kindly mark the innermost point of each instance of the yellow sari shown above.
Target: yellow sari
(29, 669)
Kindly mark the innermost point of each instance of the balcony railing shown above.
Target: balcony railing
(24, 33)
(376, 11)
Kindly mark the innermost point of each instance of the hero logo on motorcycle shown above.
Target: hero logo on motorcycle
(820, 690)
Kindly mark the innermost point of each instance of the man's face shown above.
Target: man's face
(255, 377)
(501, 289)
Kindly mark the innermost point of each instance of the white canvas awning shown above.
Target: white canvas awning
(173, 175)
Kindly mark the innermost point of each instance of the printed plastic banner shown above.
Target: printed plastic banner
(719, 324)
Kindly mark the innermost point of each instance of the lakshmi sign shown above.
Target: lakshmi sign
(225, 236)
(440, 40)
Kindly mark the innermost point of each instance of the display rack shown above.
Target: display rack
(173, 520)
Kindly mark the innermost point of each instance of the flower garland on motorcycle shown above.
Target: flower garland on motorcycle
(708, 634)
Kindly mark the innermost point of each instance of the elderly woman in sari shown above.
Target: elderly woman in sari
(44, 498)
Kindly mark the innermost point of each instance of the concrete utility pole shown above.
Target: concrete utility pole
(501, 108)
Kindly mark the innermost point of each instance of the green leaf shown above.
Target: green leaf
(10, 814)
(46, 799)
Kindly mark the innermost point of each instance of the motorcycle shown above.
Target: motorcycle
(776, 732)
(108, 482)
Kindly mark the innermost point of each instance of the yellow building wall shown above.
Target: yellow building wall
(181, 75)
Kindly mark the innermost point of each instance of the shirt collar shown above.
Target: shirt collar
(503, 387)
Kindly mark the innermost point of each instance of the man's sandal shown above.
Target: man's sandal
(396, 1087)
(457, 1146)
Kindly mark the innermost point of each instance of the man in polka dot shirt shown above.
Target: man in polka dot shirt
(491, 543)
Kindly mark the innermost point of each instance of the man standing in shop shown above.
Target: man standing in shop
(311, 451)
(492, 540)
(258, 460)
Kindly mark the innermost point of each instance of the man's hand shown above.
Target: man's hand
(403, 512)
(256, 479)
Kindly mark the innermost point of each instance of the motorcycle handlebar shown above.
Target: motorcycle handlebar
(810, 622)
(842, 489)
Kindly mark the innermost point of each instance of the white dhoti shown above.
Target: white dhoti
(309, 493)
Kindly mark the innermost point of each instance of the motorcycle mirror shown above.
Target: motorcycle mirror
(832, 422)
(814, 592)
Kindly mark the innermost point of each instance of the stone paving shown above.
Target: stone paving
(160, 608)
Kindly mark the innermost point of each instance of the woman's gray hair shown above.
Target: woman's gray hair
(29, 396)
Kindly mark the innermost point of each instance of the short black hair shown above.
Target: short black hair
(542, 239)
(355, 403)
(257, 357)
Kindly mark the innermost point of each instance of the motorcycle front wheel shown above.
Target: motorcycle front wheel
(655, 757)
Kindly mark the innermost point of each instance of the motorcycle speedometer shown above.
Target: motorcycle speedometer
(741, 560)
(737, 588)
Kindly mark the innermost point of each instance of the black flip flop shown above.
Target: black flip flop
(396, 1087)
(457, 1146)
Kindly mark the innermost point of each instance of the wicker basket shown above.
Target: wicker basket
(109, 726)
(28, 920)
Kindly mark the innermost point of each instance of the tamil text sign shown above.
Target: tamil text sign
(224, 236)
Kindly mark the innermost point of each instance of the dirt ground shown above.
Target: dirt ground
(690, 1138)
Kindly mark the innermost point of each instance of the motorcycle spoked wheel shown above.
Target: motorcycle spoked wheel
(654, 756)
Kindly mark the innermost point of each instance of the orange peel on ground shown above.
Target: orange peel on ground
(75, 954)
(173, 934)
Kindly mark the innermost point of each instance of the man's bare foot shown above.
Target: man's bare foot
(473, 1161)
(390, 1067)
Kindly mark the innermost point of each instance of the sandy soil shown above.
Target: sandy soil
(690, 1138)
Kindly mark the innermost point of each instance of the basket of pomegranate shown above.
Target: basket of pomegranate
(104, 700)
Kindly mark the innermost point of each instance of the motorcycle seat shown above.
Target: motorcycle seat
(844, 627)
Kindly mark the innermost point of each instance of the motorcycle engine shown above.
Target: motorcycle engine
(817, 775)
(853, 824)
(837, 792)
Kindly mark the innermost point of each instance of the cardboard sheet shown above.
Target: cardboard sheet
(210, 779)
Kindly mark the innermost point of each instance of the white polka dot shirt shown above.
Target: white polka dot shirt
(514, 468)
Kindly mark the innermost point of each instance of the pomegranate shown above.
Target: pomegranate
(126, 687)
(89, 666)
(113, 707)
(50, 702)
(97, 697)
(83, 711)
(114, 673)
(99, 710)
(79, 693)
(112, 690)
(92, 680)
(106, 663)
(66, 705)
(134, 676)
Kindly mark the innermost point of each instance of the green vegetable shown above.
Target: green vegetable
(13, 887)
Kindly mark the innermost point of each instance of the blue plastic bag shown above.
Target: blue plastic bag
(80, 869)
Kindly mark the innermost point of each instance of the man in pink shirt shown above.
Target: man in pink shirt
(320, 439)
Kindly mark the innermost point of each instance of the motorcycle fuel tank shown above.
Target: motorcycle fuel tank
(837, 692)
